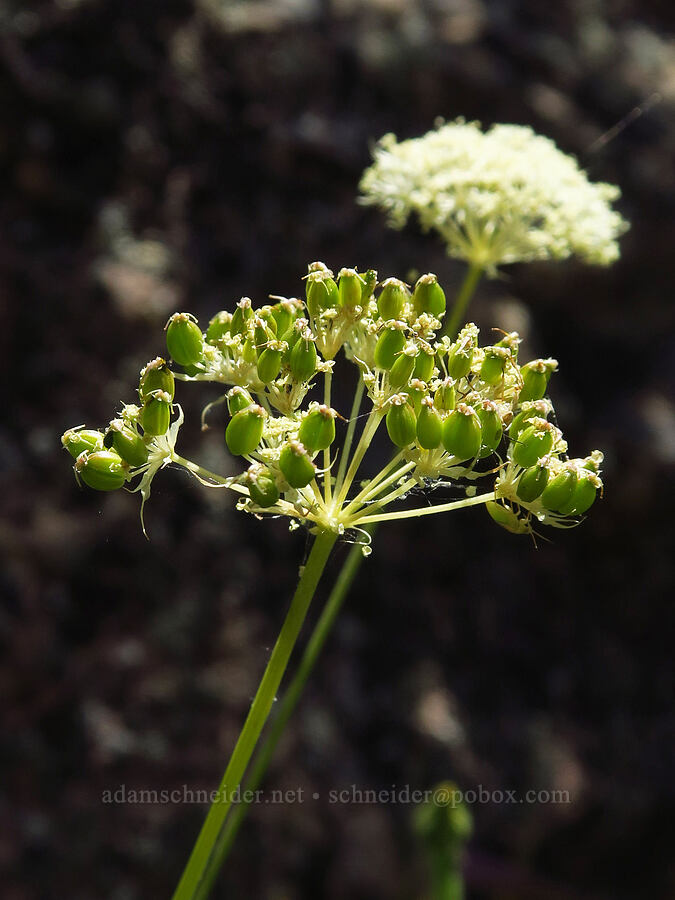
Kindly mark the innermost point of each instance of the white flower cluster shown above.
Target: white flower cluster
(501, 196)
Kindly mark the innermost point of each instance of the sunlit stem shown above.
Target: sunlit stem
(349, 437)
(327, 488)
(389, 498)
(429, 510)
(368, 433)
(371, 490)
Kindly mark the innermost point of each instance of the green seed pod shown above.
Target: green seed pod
(445, 396)
(560, 489)
(284, 316)
(507, 518)
(536, 375)
(219, 327)
(400, 421)
(532, 482)
(262, 333)
(392, 298)
(388, 346)
(416, 390)
(532, 443)
(265, 313)
(460, 358)
(269, 363)
(245, 430)
(429, 426)
(295, 464)
(241, 317)
(317, 429)
(401, 371)
(79, 440)
(156, 414)
(303, 360)
(583, 496)
(102, 470)
(369, 283)
(322, 293)
(493, 365)
(594, 462)
(127, 443)
(262, 486)
(424, 365)
(538, 409)
(491, 427)
(429, 296)
(248, 352)
(156, 376)
(350, 288)
(238, 398)
(184, 339)
(462, 432)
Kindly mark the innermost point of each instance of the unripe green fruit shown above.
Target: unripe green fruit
(241, 316)
(369, 283)
(245, 430)
(532, 482)
(491, 427)
(350, 288)
(238, 398)
(429, 426)
(493, 365)
(401, 371)
(392, 298)
(506, 517)
(219, 327)
(78, 440)
(536, 376)
(262, 334)
(156, 414)
(295, 464)
(445, 396)
(416, 390)
(156, 376)
(248, 352)
(583, 497)
(531, 444)
(102, 470)
(303, 360)
(424, 365)
(459, 360)
(322, 293)
(388, 346)
(284, 318)
(559, 490)
(269, 364)
(429, 296)
(127, 442)
(401, 423)
(317, 429)
(184, 339)
(462, 433)
(262, 486)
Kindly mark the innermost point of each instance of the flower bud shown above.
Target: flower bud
(400, 421)
(388, 346)
(127, 442)
(295, 464)
(156, 376)
(536, 375)
(303, 359)
(533, 481)
(429, 426)
(317, 429)
(219, 327)
(583, 495)
(429, 296)
(184, 339)
(401, 371)
(350, 288)
(238, 398)
(322, 292)
(462, 432)
(493, 365)
(445, 396)
(560, 489)
(241, 317)
(491, 427)
(532, 443)
(245, 430)
(262, 486)
(506, 517)
(424, 364)
(79, 440)
(269, 362)
(392, 298)
(102, 470)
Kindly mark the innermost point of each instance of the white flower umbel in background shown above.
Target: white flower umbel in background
(502, 196)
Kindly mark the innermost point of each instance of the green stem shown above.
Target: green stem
(199, 861)
(466, 292)
(429, 510)
(327, 488)
(367, 435)
(351, 428)
(283, 711)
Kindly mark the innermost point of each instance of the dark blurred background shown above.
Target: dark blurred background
(177, 155)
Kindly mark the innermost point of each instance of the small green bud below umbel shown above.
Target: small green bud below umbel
(533, 481)
(536, 375)
(507, 518)
(350, 288)
(77, 440)
(532, 443)
(102, 470)
(262, 486)
(184, 339)
(156, 376)
(429, 296)
(400, 421)
(462, 432)
(317, 429)
(238, 398)
(429, 425)
(491, 427)
(245, 429)
(392, 298)
(560, 489)
(219, 327)
(156, 414)
(295, 464)
(127, 442)
(389, 345)
(303, 359)
(583, 496)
